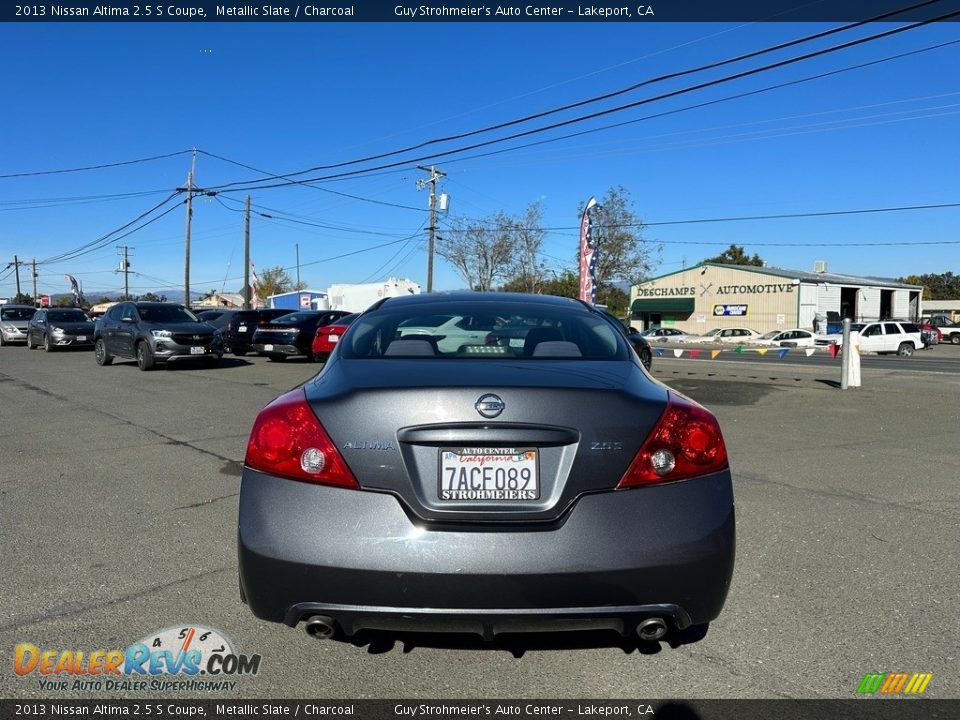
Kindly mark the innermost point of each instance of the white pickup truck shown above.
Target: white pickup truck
(950, 330)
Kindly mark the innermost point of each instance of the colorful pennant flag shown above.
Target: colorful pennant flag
(782, 352)
(738, 349)
(658, 351)
(810, 351)
(714, 353)
(762, 351)
(833, 350)
(694, 352)
(678, 352)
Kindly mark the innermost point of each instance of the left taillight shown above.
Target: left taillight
(288, 440)
(685, 443)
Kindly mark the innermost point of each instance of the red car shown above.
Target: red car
(328, 335)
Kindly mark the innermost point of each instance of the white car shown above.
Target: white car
(665, 334)
(796, 337)
(731, 335)
(450, 331)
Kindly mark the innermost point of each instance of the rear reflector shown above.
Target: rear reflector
(685, 443)
(288, 440)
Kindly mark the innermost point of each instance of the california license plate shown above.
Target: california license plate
(81, 338)
(472, 473)
(197, 350)
(268, 348)
(242, 328)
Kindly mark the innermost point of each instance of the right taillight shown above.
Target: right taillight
(288, 440)
(686, 442)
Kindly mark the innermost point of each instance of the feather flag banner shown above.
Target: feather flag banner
(588, 255)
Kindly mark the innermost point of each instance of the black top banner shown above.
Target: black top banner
(619, 11)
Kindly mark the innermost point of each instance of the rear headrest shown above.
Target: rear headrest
(538, 335)
(410, 347)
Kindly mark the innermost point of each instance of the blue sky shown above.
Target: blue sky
(285, 97)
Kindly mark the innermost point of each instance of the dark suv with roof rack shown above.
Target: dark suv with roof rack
(154, 333)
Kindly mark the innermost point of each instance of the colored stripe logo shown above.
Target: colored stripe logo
(894, 683)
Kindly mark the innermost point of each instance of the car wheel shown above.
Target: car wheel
(144, 356)
(905, 350)
(955, 339)
(46, 344)
(30, 345)
(1, 339)
(646, 358)
(101, 354)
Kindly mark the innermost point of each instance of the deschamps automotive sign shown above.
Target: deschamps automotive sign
(768, 288)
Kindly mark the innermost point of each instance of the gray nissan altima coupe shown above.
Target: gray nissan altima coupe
(537, 482)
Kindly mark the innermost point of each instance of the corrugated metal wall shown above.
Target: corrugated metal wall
(808, 305)
(828, 298)
(901, 304)
(868, 304)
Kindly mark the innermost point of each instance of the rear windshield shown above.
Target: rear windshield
(166, 314)
(66, 316)
(294, 318)
(486, 331)
(16, 314)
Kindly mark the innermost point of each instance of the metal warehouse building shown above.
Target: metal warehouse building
(712, 295)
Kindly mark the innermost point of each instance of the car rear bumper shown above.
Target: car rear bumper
(172, 352)
(277, 349)
(612, 560)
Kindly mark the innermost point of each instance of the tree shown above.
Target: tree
(526, 271)
(565, 284)
(22, 299)
(66, 301)
(942, 286)
(481, 251)
(152, 297)
(623, 255)
(736, 255)
(274, 281)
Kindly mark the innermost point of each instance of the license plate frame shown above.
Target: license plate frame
(462, 469)
(197, 350)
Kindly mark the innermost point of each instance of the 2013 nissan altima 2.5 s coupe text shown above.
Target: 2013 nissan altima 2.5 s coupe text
(545, 485)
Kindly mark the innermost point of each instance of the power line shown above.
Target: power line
(275, 176)
(628, 89)
(697, 106)
(92, 167)
(106, 239)
(609, 111)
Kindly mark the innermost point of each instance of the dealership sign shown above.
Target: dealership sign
(732, 310)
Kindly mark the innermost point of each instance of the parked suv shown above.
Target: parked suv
(154, 333)
(13, 322)
(902, 338)
(238, 333)
(292, 335)
(59, 327)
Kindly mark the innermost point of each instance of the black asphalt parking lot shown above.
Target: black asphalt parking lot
(118, 504)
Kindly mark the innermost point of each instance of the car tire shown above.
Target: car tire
(955, 339)
(47, 347)
(30, 345)
(100, 353)
(646, 358)
(905, 349)
(2, 341)
(144, 356)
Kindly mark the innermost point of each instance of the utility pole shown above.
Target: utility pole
(432, 230)
(34, 282)
(186, 259)
(17, 262)
(246, 256)
(297, 248)
(125, 269)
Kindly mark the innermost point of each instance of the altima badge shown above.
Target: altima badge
(490, 405)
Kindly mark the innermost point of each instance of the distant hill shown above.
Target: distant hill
(94, 296)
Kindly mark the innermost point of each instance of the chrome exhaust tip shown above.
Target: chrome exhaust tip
(320, 627)
(652, 629)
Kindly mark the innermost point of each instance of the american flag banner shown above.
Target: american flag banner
(74, 287)
(588, 256)
(254, 286)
